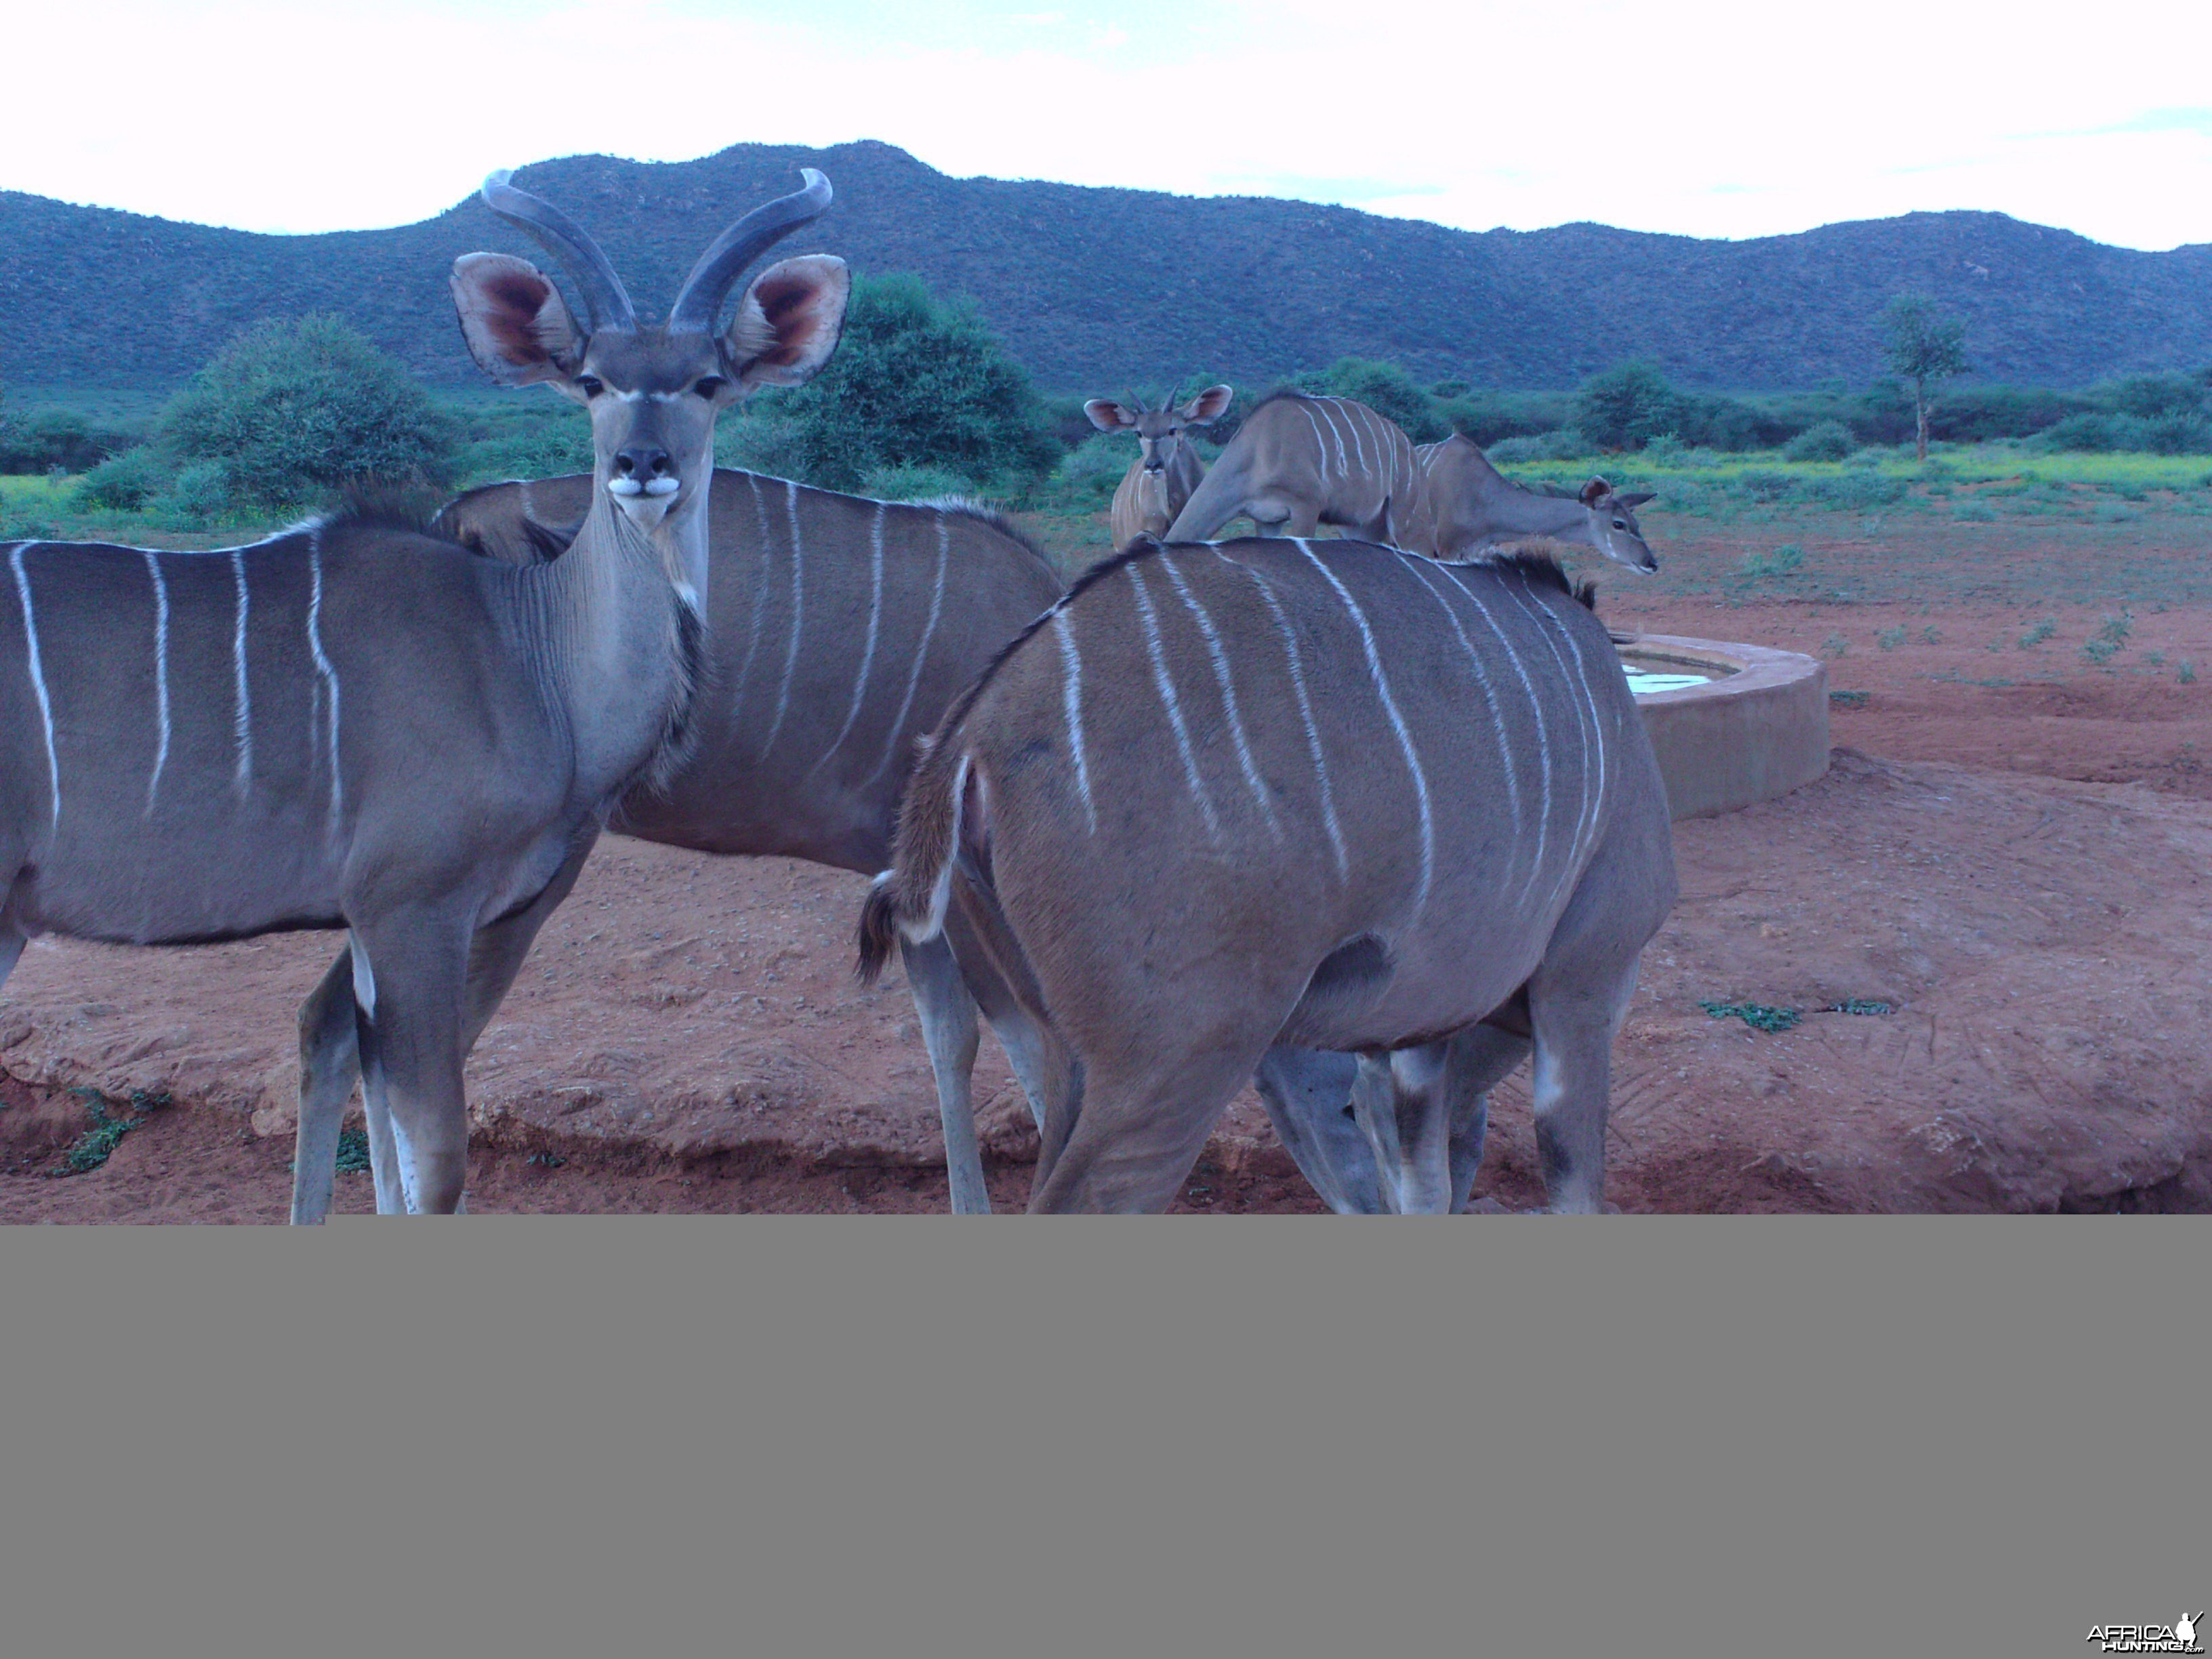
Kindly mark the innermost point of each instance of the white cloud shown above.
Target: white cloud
(1706, 117)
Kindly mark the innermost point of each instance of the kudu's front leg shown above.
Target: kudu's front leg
(410, 1035)
(330, 1060)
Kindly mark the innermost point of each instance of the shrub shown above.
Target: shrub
(1389, 392)
(204, 494)
(920, 382)
(1623, 406)
(1490, 416)
(48, 438)
(1093, 469)
(766, 441)
(2151, 395)
(1767, 486)
(1856, 491)
(909, 482)
(1566, 443)
(296, 407)
(124, 482)
(1782, 561)
(1830, 441)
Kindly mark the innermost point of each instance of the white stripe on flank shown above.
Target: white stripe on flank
(1213, 649)
(1343, 466)
(1421, 568)
(323, 665)
(1397, 723)
(1168, 697)
(760, 592)
(1320, 444)
(1536, 714)
(244, 726)
(38, 677)
(921, 651)
(161, 675)
(798, 618)
(1352, 421)
(1587, 817)
(1071, 693)
(1583, 808)
(868, 651)
(1305, 712)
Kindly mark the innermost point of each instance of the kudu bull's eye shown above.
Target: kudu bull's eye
(709, 386)
(1620, 524)
(590, 385)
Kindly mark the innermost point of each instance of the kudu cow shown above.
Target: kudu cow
(838, 630)
(1325, 795)
(1299, 462)
(1167, 469)
(364, 725)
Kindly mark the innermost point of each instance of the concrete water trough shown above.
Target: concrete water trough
(1732, 724)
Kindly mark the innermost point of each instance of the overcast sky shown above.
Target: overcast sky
(1708, 118)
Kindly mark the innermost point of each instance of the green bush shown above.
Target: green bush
(1388, 390)
(1856, 491)
(1623, 406)
(909, 482)
(1830, 441)
(295, 407)
(1093, 469)
(204, 494)
(918, 382)
(767, 439)
(1489, 416)
(124, 482)
(1566, 443)
(47, 439)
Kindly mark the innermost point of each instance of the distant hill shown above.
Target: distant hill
(1095, 290)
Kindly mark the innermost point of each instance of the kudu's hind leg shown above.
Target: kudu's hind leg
(1308, 1095)
(1136, 1137)
(949, 1031)
(12, 950)
(411, 1051)
(1575, 1024)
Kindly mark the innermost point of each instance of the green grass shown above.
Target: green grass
(1858, 1006)
(1758, 1015)
(105, 1131)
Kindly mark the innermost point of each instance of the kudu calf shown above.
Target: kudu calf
(837, 632)
(1326, 795)
(1299, 462)
(1167, 469)
(359, 725)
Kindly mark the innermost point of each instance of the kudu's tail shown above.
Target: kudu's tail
(908, 899)
(1218, 498)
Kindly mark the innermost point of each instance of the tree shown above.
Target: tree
(297, 407)
(1626, 407)
(918, 382)
(1926, 349)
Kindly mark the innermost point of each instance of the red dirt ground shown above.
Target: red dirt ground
(2018, 869)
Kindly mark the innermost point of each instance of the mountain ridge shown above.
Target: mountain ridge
(1096, 288)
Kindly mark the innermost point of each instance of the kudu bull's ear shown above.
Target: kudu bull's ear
(789, 322)
(518, 327)
(1595, 491)
(1208, 406)
(1637, 497)
(1107, 416)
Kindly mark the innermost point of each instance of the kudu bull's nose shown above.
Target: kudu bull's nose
(644, 469)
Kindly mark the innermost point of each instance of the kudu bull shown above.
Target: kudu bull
(838, 630)
(1322, 795)
(1299, 462)
(1167, 469)
(353, 724)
